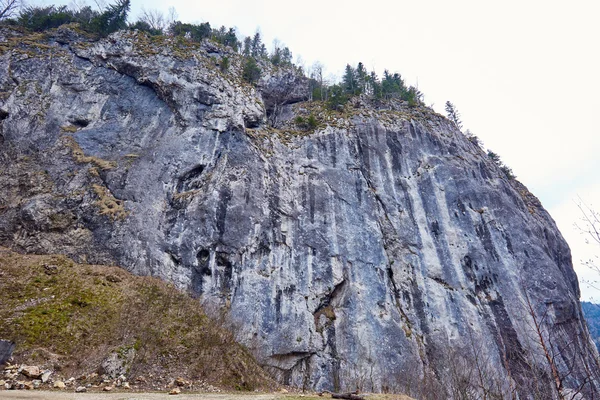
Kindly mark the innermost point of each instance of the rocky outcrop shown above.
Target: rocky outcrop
(6, 349)
(378, 250)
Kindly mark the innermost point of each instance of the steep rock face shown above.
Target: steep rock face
(375, 251)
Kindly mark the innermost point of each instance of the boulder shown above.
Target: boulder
(6, 349)
(31, 371)
(59, 385)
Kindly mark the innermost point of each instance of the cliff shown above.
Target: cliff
(379, 250)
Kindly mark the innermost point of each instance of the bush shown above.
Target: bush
(412, 96)
(251, 72)
(508, 172)
(224, 66)
(306, 123)
(112, 19)
(473, 138)
(503, 167)
(337, 98)
(143, 26)
(317, 93)
(43, 18)
(191, 31)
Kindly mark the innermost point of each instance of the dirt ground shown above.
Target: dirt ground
(56, 395)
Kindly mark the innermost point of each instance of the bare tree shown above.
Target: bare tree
(8, 8)
(316, 80)
(154, 18)
(172, 16)
(589, 225)
(543, 340)
(569, 359)
(101, 4)
(77, 5)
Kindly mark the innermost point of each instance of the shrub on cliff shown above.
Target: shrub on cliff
(112, 19)
(42, 18)
(191, 31)
(39, 19)
(145, 27)
(337, 97)
(503, 167)
(251, 72)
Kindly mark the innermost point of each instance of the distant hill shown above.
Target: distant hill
(591, 311)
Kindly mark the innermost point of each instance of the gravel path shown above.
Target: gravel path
(64, 395)
(55, 395)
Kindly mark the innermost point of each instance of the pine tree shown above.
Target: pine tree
(349, 80)
(361, 77)
(113, 18)
(453, 114)
(286, 56)
(247, 46)
(251, 72)
(257, 45)
(375, 85)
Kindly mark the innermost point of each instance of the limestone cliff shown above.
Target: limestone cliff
(378, 250)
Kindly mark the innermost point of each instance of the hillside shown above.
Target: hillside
(98, 323)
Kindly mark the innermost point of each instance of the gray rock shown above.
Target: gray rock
(31, 371)
(46, 376)
(6, 349)
(80, 389)
(378, 251)
(117, 364)
(59, 385)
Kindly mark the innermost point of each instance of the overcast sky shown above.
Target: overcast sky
(524, 74)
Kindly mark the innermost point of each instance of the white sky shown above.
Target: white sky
(524, 74)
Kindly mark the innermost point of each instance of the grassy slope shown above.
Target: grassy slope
(69, 317)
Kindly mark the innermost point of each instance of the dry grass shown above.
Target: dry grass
(108, 205)
(80, 157)
(70, 316)
(68, 129)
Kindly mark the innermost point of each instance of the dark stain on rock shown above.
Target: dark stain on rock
(467, 265)
(278, 306)
(203, 260)
(435, 229)
(225, 270)
(191, 179)
(221, 212)
(200, 270)
(332, 150)
(396, 152)
(484, 235)
(512, 350)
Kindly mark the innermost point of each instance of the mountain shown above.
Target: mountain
(376, 247)
(591, 312)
